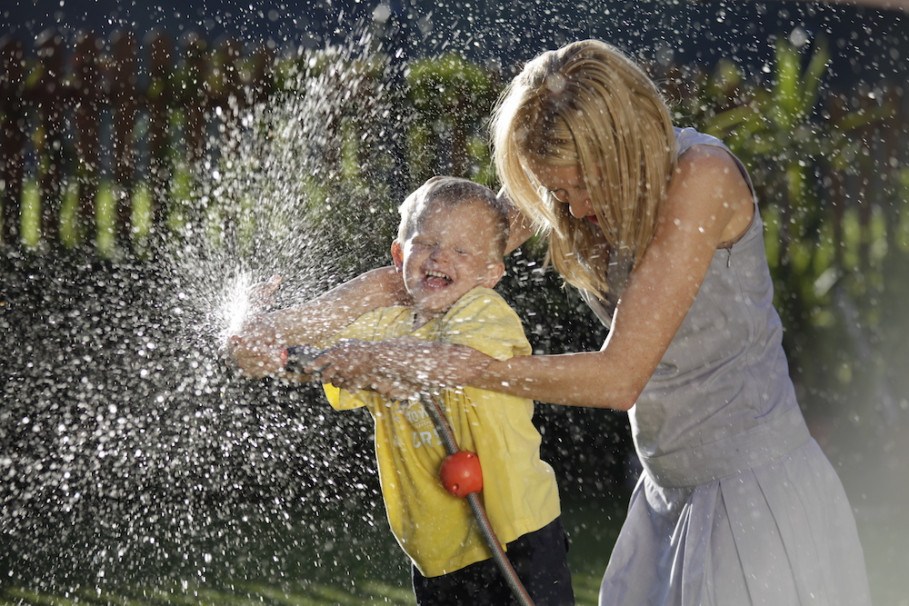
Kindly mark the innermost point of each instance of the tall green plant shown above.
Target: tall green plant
(798, 150)
(788, 141)
(453, 99)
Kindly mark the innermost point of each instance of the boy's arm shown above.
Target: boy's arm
(259, 348)
(322, 317)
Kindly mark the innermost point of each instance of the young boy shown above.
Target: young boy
(450, 246)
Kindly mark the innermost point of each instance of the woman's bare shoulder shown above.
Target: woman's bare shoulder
(709, 177)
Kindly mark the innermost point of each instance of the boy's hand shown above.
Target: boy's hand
(256, 359)
(254, 348)
(262, 295)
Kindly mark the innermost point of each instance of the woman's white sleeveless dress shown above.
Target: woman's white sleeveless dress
(737, 504)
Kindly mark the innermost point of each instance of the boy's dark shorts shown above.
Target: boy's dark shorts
(539, 558)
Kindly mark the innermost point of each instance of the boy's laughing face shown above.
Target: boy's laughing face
(450, 252)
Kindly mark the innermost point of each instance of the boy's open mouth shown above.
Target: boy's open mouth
(435, 279)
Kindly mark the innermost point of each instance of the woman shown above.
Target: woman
(658, 228)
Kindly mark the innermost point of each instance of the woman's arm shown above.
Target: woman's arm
(708, 203)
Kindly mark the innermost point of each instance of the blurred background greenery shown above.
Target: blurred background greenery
(831, 171)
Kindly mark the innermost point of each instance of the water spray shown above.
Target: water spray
(460, 472)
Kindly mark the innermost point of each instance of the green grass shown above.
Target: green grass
(342, 576)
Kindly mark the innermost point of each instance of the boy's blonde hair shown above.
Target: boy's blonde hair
(452, 192)
(586, 105)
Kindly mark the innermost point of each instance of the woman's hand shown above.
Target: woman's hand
(399, 368)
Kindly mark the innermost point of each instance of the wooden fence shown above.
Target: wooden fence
(120, 113)
(63, 108)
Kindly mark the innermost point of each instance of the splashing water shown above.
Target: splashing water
(235, 307)
(130, 453)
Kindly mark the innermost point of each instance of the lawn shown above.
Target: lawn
(302, 562)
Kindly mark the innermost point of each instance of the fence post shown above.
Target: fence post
(836, 107)
(193, 96)
(364, 97)
(49, 145)
(227, 92)
(87, 91)
(193, 99)
(459, 159)
(125, 106)
(261, 75)
(893, 134)
(868, 191)
(158, 97)
(12, 138)
(230, 93)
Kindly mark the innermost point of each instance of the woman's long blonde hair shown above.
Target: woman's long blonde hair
(586, 105)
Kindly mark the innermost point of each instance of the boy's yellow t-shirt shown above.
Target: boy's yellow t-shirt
(437, 530)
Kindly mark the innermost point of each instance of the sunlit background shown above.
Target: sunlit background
(136, 468)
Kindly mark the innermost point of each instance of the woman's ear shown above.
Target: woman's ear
(397, 255)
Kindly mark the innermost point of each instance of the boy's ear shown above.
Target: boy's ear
(494, 273)
(397, 254)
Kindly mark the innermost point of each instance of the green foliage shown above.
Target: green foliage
(785, 138)
(441, 83)
(452, 99)
(825, 252)
(798, 141)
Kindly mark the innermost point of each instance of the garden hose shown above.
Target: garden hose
(448, 439)
(299, 356)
